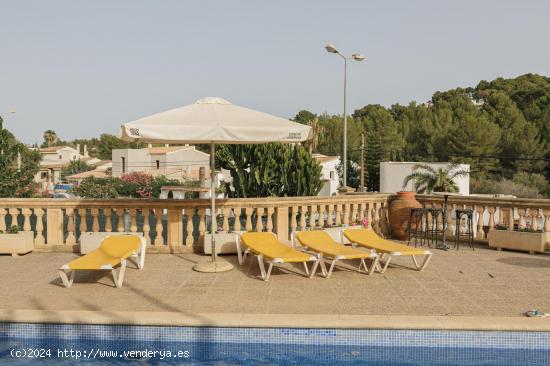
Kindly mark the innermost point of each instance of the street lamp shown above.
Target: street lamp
(357, 57)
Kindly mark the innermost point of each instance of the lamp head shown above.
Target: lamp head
(358, 56)
(331, 48)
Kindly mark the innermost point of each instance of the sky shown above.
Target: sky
(82, 68)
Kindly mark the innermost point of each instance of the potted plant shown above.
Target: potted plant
(519, 239)
(15, 242)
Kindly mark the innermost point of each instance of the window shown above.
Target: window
(123, 161)
(332, 175)
(60, 157)
(158, 164)
(43, 175)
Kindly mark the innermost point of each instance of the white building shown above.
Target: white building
(392, 175)
(176, 162)
(54, 159)
(329, 174)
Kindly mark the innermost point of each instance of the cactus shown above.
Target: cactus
(270, 170)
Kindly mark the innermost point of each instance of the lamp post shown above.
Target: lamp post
(357, 57)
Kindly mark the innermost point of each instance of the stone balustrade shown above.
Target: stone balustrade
(176, 225)
(511, 213)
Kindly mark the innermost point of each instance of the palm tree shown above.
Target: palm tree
(441, 180)
(50, 137)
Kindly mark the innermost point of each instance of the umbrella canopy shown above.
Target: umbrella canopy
(214, 120)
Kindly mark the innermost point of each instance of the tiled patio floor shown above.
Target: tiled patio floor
(483, 282)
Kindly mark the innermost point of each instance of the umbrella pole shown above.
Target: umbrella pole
(213, 215)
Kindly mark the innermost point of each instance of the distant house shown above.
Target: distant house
(393, 173)
(329, 174)
(100, 171)
(177, 162)
(53, 160)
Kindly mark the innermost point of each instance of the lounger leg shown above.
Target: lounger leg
(118, 279)
(306, 269)
(142, 259)
(239, 250)
(362, 264)
(262, 267)
(314, 269)
(67, 282)
(323, 266)
(375, 264)
(268, 271)
(415, 261)
(386, 264)
(331, 268)
(425, 263)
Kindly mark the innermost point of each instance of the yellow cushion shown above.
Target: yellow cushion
(320, 241)
(271, 248)
(109, 254)
(369, 239)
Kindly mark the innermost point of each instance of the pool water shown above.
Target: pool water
(113, 345)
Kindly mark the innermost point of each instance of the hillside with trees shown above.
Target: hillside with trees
(500, 127)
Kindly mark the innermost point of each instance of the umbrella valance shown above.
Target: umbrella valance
(214, 120)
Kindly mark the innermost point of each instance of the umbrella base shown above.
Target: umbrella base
(213, 267)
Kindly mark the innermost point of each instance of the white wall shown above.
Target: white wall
(331, 184)
(67, 154)
(137, 160)
(392, 175)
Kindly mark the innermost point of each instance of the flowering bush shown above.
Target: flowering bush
(139, 185)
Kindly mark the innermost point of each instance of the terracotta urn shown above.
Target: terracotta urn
(400, 212)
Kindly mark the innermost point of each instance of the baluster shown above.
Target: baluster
(14, 212)
(546, 214)
(26, 212)
(502, 216)
(248, 224)
(3, 213)
(269, 222)
(107, 212)
(259, 223)
(71, 239)
(133, 224)
(189, 227)
(449, 214)
(522, 213)
(121, 213)
(439, 218)
(345, 214)
(321, 221)
(237, 222)
(353, 218)
(293, 214)
(534, 219)
(479, 210)
(361, 212)
(376, 207)
(83, 224)
(159, 240)
(303, 218)
(225, 219)
(95, 221)
(511, 219)
(338, 215)
(491, 218)
(330, 213)
(146, 227)
(40, 240)
(312, 210)
(202, 223)
(369, 213)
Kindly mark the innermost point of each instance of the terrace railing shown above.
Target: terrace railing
(176, 225)
(508, 213)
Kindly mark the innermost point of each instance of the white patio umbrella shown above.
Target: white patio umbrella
(214, 121)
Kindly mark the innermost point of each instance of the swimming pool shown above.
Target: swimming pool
(107, 344)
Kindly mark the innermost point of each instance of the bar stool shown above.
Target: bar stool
(418, 226)
(435, 232)
(469, 234)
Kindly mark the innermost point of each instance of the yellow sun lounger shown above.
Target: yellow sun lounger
(113, 251)
(321, 242)
(267, 247)
(386, 248)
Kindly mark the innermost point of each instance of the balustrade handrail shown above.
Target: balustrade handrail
(488, 201)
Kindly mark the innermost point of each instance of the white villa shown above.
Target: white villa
(176, 162)
(329, 174)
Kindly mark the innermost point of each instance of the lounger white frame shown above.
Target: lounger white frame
(265, 274)
(387, 257)
(335, 259)
(137, 257)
